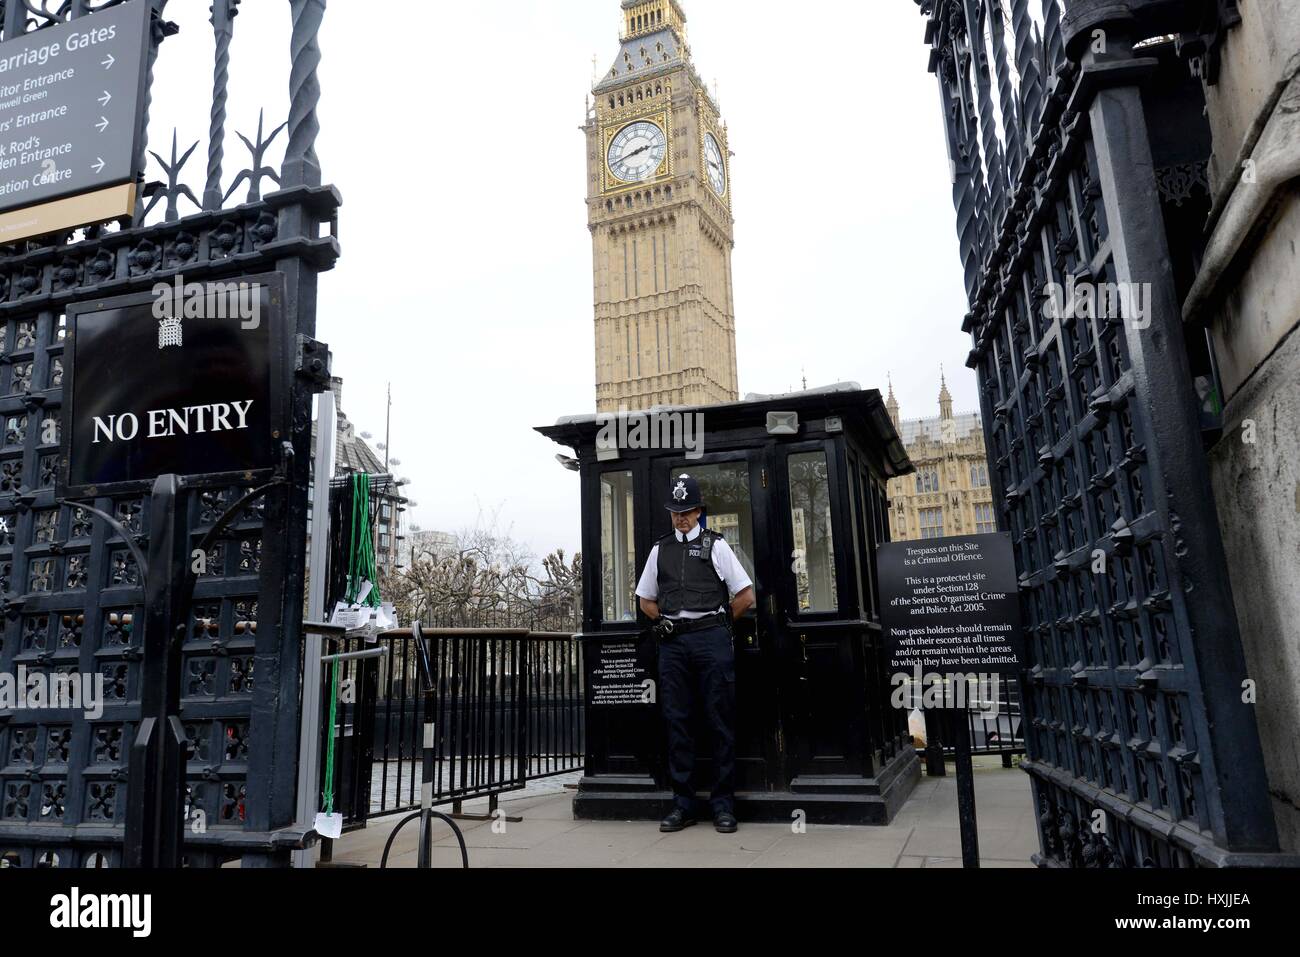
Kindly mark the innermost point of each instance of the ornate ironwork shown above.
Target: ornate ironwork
(223, 29)
(258, 170)
(64, 786)
(174, 189)
(1141, 751)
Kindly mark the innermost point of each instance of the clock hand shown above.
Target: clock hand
(628, 156)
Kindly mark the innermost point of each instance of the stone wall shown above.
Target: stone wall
(1248, 294)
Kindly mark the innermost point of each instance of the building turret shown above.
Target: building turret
(945, 398)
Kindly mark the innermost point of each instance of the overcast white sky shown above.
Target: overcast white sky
(468, 285)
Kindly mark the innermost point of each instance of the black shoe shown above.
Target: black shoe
(724, 822)
(676, 821)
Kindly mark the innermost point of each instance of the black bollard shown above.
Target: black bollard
(970, 844)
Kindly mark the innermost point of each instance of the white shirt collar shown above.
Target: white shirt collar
(690, 536)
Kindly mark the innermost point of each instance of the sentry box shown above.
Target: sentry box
(796, 484)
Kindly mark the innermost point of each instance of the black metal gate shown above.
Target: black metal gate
(71, 591)
(1066, 124)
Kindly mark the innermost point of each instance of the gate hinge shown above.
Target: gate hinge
(764, 477)
(313, 363)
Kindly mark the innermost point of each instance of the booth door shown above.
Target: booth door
(733, 489)
(818, 637)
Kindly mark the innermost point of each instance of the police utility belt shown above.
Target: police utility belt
(666, 628)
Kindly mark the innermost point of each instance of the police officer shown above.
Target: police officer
(691, 586)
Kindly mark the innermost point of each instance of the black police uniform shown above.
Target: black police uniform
(697, 662)
(697, 665)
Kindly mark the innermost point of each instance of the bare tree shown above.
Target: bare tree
(487, 579)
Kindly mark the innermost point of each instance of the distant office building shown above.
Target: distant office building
(950, 492)
(425, 543)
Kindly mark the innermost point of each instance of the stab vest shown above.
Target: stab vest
(687, 579)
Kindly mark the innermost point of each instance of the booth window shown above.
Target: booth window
(932, 523)
(617, 546)
(810, 520)
(725, 488)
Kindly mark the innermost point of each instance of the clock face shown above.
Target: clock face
(637, 151)
(714, 165)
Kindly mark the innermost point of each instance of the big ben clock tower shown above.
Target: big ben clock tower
(659, 210)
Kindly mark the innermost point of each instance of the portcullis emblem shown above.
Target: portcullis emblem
(169, 332)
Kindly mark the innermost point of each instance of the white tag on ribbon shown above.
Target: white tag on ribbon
(329, 825)
(352, 619)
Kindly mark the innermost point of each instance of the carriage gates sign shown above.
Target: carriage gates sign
(70, 119)
(177, 380)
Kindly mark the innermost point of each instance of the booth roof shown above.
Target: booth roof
(861, 407)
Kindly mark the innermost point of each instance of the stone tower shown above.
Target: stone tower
(659, 210)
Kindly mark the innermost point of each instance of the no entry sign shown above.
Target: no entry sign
(179, 380)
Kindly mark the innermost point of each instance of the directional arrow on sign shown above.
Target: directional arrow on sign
(103, 100)
(98, 167)
(108, 64)
(102, 124)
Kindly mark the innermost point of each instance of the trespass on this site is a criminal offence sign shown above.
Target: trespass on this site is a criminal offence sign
(951, 605)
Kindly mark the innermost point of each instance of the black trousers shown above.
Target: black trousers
(699, 670)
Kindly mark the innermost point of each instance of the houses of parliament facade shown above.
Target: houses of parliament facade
(950, 492)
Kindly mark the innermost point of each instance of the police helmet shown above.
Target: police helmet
(685, 495)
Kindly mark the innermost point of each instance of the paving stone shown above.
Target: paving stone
(923, 834)
(831, 849)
